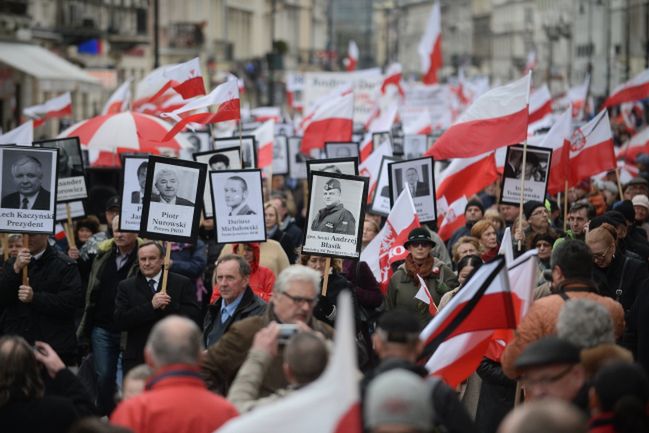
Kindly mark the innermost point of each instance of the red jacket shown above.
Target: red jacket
(261, 279)
(176, 401)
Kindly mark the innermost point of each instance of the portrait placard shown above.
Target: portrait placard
(28, 189)
(134, 175)
(335, 215)
(341, 149)
(379, 138)
(419, 176)
(414, 146)
(347, 166)
(397, 145)
(200, 142)
(537, 167)
(381, 200)
(285, 129)
(228, 158)
(280, 154)
(296, 159)
(77, 210)
(173, 188)
(248, 148)
(71, 176)
(238, 206)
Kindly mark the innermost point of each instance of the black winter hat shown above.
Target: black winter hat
(530, 206)
(419, 234)
(476, 203)
(626, 208)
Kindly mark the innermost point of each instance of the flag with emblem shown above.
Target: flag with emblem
(591, 149)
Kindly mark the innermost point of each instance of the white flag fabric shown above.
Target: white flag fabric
(22, 135)
(119, 100)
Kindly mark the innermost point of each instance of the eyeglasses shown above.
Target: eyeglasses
(300, 300)
(601, 256)
(545, 381)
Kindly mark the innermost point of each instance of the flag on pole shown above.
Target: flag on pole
(456, 339)
(389, 241)
(265, 136)
(23, 135)
(151, 87)
(638, 144)
(351, 61)
(453, 218)
(497, 118)
(540, 104)
(262, 114)
(393, 77)
(186, 78)
(119, 100)
(331, 404)
(466, 176)
(60, 106)
(635, 89)
(506, 246)
(558, 139)
(382, 123)
(332, 121)
(423, 294)
(430, 46)
(225, 100)
(591, 149)
(371, 167)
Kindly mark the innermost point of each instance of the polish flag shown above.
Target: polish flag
(61, 106)
(265, 136)
(225, 99)
(186, 78)
(638, 144)
(393, 77)
(419, 125)
(382, 123)
(506, 246)
(371, 167)
(456, 339)
(151, 88)
(332, 121)
(430, 46)
(467, 176)
(497, 118)
(634, 89)
(119, 100)
(316, 105)
(352, 57)
(23, 135)
(558, 139)
(389, 241)
(240, 83)
(453, 217)
(262, 114)
(335, 393)
(423, 294)
(577, 97)
(540, 104)
(591, 149)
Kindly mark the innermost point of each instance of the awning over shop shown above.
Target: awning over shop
(53, 72)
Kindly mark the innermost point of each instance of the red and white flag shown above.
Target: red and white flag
(332, 121)
(23, 135)
(186, 78)
(419, 125)
(466, 177)
(591, 149)
(264, 137)
(635, 89)
(393, 77)
(371, 167)
(430, 46)
(540, 104)
(335, 393)
(119, 100)
(224, 99)
(262, 114)
(60, 106)
(382, 123)
(638, 144)
(577, 96)
(497, 118)
(151, 88)
(423, 294)
(351, 61)
(456, 339)
(240, 83)
(389, 241)
(558, 139)
(453, 217)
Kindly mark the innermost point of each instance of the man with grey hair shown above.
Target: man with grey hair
(175, 393)
(27, 174)
(294, 297)
(544, 416)
(166, 182)
(585, 324)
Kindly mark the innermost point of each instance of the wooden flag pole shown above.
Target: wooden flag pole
(619, 184)
(517, 394)
(165, 267)
(69, 231)
(5, 247)
(565, 207)
(325, 277)
(520, 213)
(26, 268)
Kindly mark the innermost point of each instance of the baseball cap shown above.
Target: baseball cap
(641, 200)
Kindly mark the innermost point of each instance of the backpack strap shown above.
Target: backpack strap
(564, 296)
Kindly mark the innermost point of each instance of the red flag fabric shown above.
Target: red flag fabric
(540, 104)
(591, 149)
(466, 176)
(430, 46)
(119, 100)
(634, 89)
(351, 61)
(382, 123)
(423, 294)
(638, 144)
(186, 78)
(393, 77)
(332, 121)
(453, 218)
(60, 106)
(265, 136)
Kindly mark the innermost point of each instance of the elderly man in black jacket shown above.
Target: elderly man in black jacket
(237, 300)
(43, 309)
(141, 302)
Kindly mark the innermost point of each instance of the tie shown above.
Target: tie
(152, 285)
(25, 203)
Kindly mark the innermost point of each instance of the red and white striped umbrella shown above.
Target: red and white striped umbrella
(107, 135)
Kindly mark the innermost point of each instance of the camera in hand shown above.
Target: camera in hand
(286, 331)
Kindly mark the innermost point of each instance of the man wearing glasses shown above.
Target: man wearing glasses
(294, 296)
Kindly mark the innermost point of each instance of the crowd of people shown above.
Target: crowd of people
(91, 341)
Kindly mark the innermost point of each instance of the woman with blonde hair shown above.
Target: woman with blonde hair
(271, 217)
(465, 246)
(485, 232)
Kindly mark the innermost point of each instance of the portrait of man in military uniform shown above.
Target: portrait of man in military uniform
(333, 217)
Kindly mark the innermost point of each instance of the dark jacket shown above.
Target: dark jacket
(135, 315)
(496, 396)
(289, 247)
(250, 305)
(636, 241)
(623, 279)
(56, 283)
(42, 202)
(189, 261)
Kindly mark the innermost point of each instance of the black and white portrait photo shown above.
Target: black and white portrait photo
(134, 175)
(335, 214)
(173, 186)
(418, 176)
(380, 138)
(414, 146)
(71, 179)
(341, 149)
(200, 141)
(381, 200)
(247, 145)
(285, 129)
(296, 159)
(28, 189)
(237, 205)
(534, 171)
(280, 155)
(397, 145)
(228, 158)
(77, 210)
(335, 165)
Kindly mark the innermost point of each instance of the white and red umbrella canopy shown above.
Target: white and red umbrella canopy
(108, 135)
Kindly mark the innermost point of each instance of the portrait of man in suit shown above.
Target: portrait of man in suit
(417, 188)
(167, 183)
(136, 196)
(27, 176)
(236, 194)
